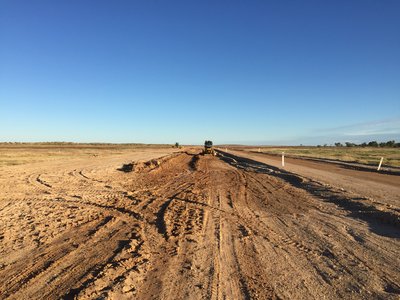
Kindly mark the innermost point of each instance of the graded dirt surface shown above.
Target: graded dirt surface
(381, 187)
(188, 226)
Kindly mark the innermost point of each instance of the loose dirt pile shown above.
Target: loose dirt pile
(189, 227)
(140, 166)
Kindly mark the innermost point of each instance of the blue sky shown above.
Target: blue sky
(266, 72)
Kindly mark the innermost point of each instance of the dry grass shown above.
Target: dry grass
(367, 155)
(17, 154)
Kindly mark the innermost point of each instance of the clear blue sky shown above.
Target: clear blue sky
(231, 71)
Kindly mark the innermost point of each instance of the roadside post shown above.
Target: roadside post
(283, 159)
(380, 164)
(259, 149)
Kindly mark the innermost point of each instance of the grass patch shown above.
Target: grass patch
(19, 154)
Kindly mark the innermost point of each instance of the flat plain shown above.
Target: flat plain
(152, 222)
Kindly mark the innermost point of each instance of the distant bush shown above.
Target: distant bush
(388, 144)
(348, 144)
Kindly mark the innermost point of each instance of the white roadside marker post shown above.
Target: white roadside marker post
(380, 164)
(283, 159)
(259, 149)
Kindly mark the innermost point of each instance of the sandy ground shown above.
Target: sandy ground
(381, 187)
(190, 227)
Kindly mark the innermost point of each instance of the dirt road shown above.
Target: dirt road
(189, 227)
(384, 188)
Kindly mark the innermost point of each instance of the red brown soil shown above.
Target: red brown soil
(193, 227)
(381, 187)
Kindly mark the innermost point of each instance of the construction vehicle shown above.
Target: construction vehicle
(208, 148)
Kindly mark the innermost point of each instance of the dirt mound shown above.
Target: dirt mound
(165, 161)
(147, 165)
(140, 166)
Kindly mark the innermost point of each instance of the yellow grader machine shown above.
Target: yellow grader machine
(208, 148)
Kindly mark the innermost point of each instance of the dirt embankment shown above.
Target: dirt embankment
(193, 227)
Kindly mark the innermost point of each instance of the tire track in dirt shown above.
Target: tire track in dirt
(43, 182)
(44, 257)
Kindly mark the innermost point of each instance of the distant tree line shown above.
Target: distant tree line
(389, 144)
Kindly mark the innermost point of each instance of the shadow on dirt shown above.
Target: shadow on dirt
(126, 168)
(193, 164)
(258, 167)
(384, 223)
